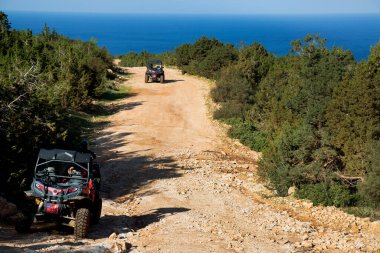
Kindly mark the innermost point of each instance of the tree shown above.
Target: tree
(5, 26)
(354, 114)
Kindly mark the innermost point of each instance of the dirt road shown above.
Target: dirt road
(152, 173)
(174, 183)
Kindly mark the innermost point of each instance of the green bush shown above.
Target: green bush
(134, 59)
(370, 188)
(315, 114)
(206, 57)
(333, 194)
(317, 193)
(247, 134)
(43, 79)
(231, 86)
(288, 159)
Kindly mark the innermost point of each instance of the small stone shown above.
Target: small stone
(308, 205)
(359, 244)
(355, 229)
(366, 219)
(113, 236)
(292, 190)
(120, 246)
(307, 244)
(123, 245)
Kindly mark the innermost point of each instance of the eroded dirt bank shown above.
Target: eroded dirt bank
(174, 183)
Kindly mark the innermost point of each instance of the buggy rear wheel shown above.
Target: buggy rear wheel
(162, 79)
(146, 78)
(82, 223)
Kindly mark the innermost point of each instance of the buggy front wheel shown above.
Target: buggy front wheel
(82, 223)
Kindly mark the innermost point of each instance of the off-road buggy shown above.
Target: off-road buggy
(65, 190)
(154, 71)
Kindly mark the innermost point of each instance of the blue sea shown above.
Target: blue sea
(123, 33)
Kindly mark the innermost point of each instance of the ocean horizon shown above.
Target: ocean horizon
(156, 33)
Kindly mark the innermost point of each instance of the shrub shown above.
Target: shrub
(370, 188)
(43, 78)
(206, 57)
(232, 86)
(134, 59)
(247, 134)
(333, 194)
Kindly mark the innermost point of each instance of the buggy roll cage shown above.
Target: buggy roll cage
(65, 156)
(153, 62)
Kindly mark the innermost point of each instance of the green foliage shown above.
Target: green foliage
(334, 194)
(183, 55)
(254, 63)
(206, 57)
(370, 188)
(247, 134)
(115, 93)
(5, 26)
(354, 114)
(314, 113)
(216, 58)
(290, 105)
(289, 159)
(233, 92)
(363, 211)
(43, 78)
(133, 59)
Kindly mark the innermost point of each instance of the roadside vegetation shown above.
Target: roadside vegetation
(314, 114)
(134, 59)
(48, 84)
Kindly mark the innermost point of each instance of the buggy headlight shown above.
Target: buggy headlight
(40, 187)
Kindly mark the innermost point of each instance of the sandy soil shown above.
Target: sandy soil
(174, 209)
(173, 182)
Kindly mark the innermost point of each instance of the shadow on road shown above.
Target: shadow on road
(125, 174)
(101, 110)
(123, 223)
(173, 81)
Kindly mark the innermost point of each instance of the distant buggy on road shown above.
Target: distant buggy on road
(154, 71)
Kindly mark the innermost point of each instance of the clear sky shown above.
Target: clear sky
(196, 6)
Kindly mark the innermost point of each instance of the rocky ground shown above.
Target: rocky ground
(173, 182)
